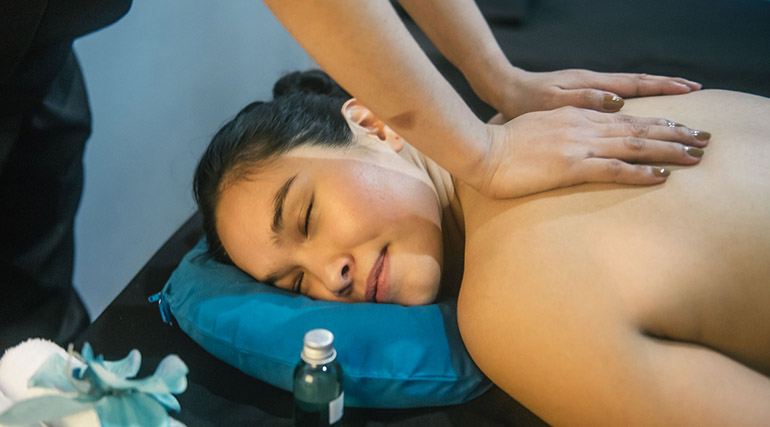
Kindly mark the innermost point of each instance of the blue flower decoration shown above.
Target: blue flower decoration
(107, 387)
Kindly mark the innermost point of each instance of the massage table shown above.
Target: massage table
(720, 43)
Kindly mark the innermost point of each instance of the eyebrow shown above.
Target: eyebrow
(277, 225)
(278, 202)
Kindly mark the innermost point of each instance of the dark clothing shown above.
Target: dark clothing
(45, 121)
(35, 40)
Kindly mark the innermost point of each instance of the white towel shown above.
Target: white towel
(17, 366)
(5, 402)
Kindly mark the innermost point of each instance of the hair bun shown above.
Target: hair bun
(310, 81)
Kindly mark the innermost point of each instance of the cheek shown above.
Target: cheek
(370, 197)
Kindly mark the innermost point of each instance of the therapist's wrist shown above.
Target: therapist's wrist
(476, 161)
(495, 81)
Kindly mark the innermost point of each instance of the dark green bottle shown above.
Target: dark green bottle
(318, 395)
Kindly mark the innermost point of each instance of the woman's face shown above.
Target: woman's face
(357, 225)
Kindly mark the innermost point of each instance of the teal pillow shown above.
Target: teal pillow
(392, 356)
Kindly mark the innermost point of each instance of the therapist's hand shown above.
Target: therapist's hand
(515, 91)
(544, 150)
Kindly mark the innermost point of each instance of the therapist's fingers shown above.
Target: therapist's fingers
(641, 150)
(632, 85)
(621, 125)
(645, 140)
(605, 92)
(550, 149)
(646, 85)
(673, 133)
(592, 99)
(618, 171)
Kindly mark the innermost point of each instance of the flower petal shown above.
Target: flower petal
(131, 409)
(173, 371)
(87, 353)
(43, 408)
(167, 400)
(107, 381)
(52, 374)
(127, 367)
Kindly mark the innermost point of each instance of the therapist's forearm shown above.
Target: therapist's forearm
(458, 29)
(365, 47)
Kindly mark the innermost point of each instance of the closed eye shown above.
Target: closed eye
(307, 216)
(297, 288)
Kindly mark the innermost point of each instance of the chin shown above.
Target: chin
(420, 299)
(413, 302)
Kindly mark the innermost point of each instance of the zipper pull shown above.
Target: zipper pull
(165, 312)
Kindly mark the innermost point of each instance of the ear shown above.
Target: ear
(362, 118)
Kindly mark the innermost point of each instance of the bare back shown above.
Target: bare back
(654, 296)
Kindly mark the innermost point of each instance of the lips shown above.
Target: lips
(377, 281)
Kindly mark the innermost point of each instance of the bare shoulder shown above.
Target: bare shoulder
(633, 257)
(561, 288)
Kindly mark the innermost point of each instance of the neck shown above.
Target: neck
(452, 220)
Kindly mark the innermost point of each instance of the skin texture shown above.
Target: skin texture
(391, 206)
(610, 305)
(370, 53)
(597, 304)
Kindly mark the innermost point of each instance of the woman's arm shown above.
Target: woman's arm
(460, 32)
(366, 48)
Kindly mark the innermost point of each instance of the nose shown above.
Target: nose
(339, 275)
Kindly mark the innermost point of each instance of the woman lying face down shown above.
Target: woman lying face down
(598, 304)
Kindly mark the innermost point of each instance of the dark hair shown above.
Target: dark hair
(305, 110)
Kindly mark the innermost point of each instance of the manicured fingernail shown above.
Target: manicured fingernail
(701, 135)
(694, 151)
(612, 102)
(675, 125)
(660, 171)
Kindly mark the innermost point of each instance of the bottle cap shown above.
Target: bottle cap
(319, 347)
